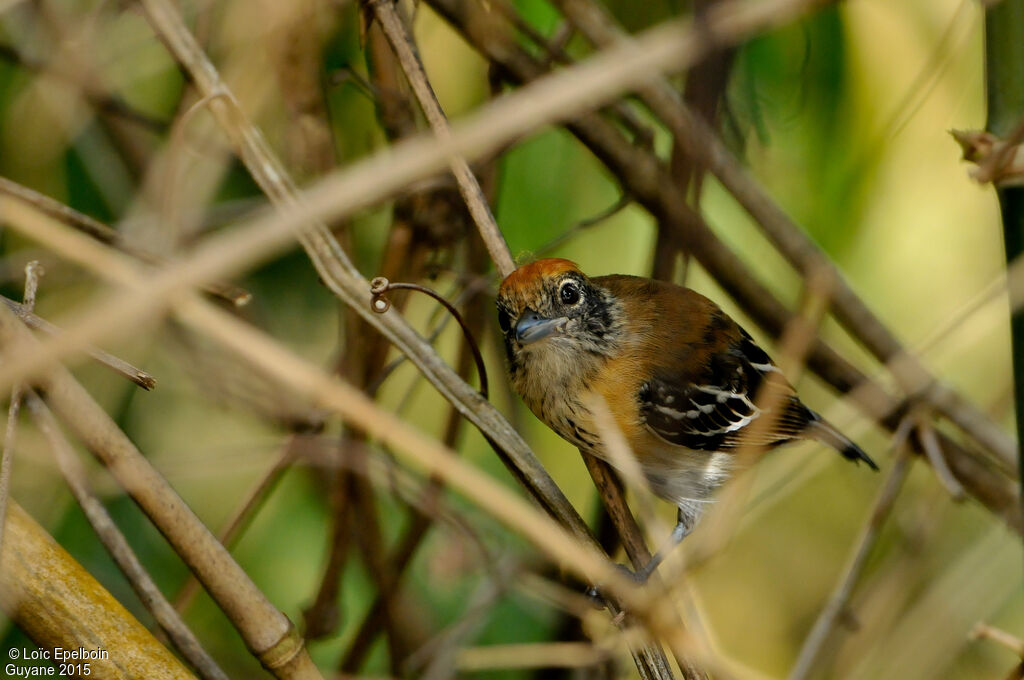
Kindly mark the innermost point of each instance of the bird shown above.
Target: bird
(680, 378)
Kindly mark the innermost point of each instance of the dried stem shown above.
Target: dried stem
(530, 655)
(441, 650)
(994, 166)
(242, 516)
(322, 617)
(420, 522)
(401, 41)
(933, 451)
(613, 495)
(266, 631)
(834, 610)
(115, 364)
(118, 547)
(380, 304)
(983, 631)
(33, 270)
(104, 234)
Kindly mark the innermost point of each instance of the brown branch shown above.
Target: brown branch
(435, 660)
(983, 631)
(837, 603)
(613, 496)
(420, 522)
(115, 364)
(118, 547)
(530, 655)
(322, 617)
(266, 631)
(382, 572)
(104, 102)
(104, 234)
(402, 43)
(242, 516)
(33, 270)
(650, 659)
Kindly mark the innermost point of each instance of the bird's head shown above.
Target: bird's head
(549, 307)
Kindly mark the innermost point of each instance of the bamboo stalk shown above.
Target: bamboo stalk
(58, 604)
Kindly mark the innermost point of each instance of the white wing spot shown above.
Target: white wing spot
(671, 412)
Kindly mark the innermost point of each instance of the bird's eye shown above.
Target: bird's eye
(569, 292)
(504, 321)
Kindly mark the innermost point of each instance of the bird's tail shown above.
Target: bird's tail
(826, 433)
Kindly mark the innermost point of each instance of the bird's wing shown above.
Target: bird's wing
(714, 408)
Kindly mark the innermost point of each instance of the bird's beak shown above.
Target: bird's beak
(531, 327)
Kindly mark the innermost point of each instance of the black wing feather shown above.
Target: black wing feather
(713, 412)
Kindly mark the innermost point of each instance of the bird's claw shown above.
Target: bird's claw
(595, 594)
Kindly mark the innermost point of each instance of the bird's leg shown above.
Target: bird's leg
(685, 522)
(682, 529)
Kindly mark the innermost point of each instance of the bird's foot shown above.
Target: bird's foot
(597, 596)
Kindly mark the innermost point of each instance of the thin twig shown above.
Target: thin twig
(323, 616)
(238, 297)
(103, 101)
(933, 451)
(402, 43)
(33, 270)
(623, 202)
(441, 651)
(380, 304)
(402, 554)
(992, 168)
(833, 611)
(242, 516)
(983, 631)
(613, 496)
(554, 50)
(266, 631)
(530, 655)
(115, 364)
(118, 547)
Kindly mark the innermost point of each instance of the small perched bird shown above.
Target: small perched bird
(679, 376)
